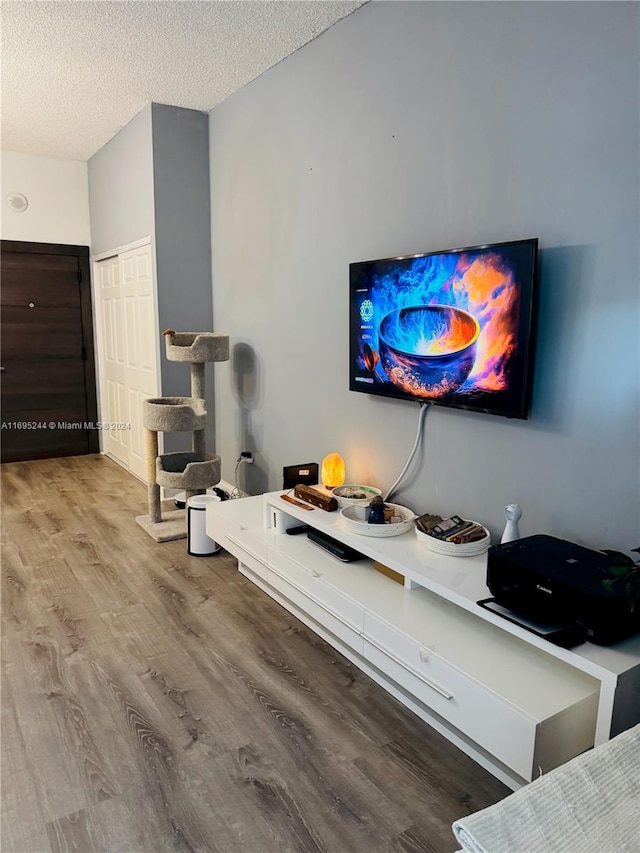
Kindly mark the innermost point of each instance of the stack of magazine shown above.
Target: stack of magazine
(456, 530)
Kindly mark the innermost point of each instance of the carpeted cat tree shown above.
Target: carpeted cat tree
(195, 470)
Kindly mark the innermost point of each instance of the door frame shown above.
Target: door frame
(86, 316)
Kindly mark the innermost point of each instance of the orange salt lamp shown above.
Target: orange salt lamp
(332, 473)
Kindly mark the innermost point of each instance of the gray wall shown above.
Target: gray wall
(411, 127)
(152, 179)
(183, 239)
(121, 187)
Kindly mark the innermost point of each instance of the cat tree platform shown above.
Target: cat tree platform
(196, 347)
(174, 414)
(172, 525)
(187, 470)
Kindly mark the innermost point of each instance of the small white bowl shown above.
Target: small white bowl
(354, 519)
(345, 494)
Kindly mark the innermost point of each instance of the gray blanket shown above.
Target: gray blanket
(589, 805)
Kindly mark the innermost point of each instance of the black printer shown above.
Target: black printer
(551, 580)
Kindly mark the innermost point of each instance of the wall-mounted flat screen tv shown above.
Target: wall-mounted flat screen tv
(453, 327)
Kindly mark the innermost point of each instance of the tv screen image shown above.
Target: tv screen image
(452, 327)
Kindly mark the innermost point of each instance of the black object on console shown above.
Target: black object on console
(552, 580)
(294, 475)
(334, 546)
(567, 636)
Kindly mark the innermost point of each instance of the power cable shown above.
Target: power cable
(423, 411)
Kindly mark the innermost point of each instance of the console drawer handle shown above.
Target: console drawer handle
(248, 550)
(410, 669)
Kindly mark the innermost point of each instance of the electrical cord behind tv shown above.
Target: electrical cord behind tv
(423, 411)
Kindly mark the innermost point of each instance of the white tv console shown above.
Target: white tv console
(517, 704)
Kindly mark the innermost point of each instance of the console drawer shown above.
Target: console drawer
(249, 551)
(500, 725)
(321, 608)
(313, 584)
(493, 724)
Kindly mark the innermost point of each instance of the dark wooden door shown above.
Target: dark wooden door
(48, 369)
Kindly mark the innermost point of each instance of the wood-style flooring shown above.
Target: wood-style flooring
(153, 701)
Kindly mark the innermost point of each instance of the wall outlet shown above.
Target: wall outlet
(246, 456)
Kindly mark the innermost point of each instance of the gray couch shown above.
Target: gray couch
(589, 805)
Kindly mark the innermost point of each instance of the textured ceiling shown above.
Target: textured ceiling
(74, 73)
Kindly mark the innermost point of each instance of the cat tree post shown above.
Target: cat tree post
(153, 488)
(197, 390)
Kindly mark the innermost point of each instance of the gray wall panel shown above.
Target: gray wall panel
(121, 187)
(183, 239)
(152, 179)
(413, 127)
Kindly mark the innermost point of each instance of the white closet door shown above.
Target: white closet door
(129, 363)
(141, 371)
(114, 358)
